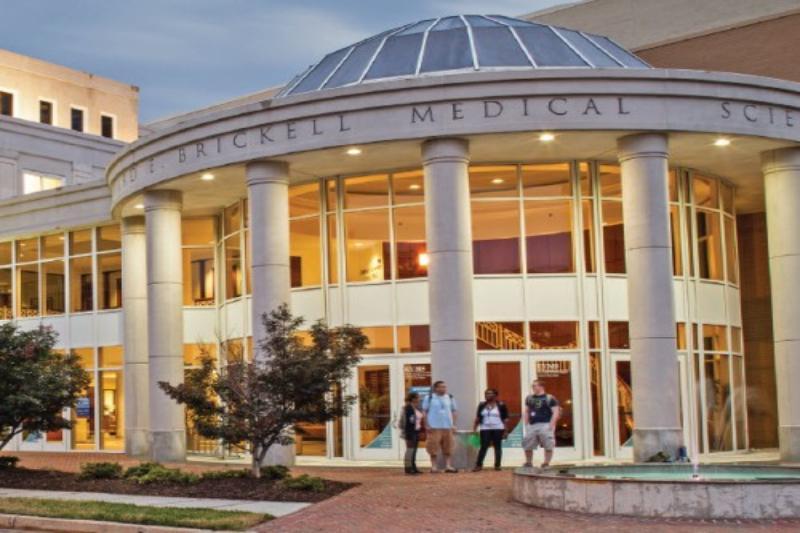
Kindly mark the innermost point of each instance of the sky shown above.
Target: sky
(186, 54)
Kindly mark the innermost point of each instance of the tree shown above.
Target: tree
(255, 405)
(36, 382)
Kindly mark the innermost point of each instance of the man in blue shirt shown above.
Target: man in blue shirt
(440, 422)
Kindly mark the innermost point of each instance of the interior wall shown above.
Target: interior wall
(762, 414)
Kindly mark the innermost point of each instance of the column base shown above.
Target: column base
(168, 446)
(280, 455)
(463, 455)
(789, 442)
(137, 443)
(649, 442)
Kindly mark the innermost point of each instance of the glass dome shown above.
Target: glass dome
(461, 43)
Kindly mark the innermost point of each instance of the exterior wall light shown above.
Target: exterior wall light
(207, 177)
(353, 151)
(722, 141)
(547, 137)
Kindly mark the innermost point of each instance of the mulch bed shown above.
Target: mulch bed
(227, 488)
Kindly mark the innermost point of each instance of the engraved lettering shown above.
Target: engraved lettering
(557, 111)
(416, 116)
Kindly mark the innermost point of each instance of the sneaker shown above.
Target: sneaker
(497, 468)
(477, 469)
(545, 465)
(450, 471)
(527, 465)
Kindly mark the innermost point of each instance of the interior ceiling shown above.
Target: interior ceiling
(739, 163)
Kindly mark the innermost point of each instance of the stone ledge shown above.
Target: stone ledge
(39, 523)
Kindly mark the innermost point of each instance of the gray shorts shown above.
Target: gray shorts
(538, 435)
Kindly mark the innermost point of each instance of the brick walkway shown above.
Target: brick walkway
(388, 501)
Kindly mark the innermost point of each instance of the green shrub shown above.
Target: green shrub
(274, 472)
(8, 461)
(101, 471)
(225, 474)
(304, 482)
(147, 473)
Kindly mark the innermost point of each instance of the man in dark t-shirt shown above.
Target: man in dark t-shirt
(541, 416)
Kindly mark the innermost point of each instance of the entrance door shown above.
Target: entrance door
(560, 376)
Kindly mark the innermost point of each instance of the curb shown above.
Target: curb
(40, 523)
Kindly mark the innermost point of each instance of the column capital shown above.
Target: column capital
(267, 171)
(132, 224)
(445, 149)
(163, 199)
(642, 145)
(781, 159)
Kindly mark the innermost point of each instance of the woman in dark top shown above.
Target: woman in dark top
(411, 427)
(491, 419)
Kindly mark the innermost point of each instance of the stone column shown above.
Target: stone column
(268, 196)
(449, 235)
(651, 306)
(782, 190)
(165, 321)
(134, 313)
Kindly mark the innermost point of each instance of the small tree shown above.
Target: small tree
(256, 404)
(36, 382)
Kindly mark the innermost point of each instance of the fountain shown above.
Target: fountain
(664, 490)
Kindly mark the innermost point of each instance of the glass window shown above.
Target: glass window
(304, 199)
(715, 338)
(726, 194)
(680, 335)
(81, 284)
(675, 233)
(53, 279)
(736, 340)
(198, 276)
(618, 338)
(76, 119)
(447, 46)
(107, 126)
(411, 248)
(367, 243)
(6, 104)
(546, 180)
(112, 405)
(588, 49)
(589, 251)
(705, 191)
(730, 250)
(585, 179)
(110, 356)
(557, 378)
(109, 281)
(45, 112)
(27, 250)
(624, 404)
(198, 231)
(718, 402)
(548, 236)
(366, 191)
(495, 45)
(5, 253)
(83, 415)
(6, 307)
(500, 335)
(672, 185)
(381, 339)
(613, 237)
(233, 267)
(739, 402)
(408, 187)
(493, 182)
(248, 258)
(553, 335)
(232, 218)
(333, 251)
(374, 406)
(53, 246)
(192, 353)
(596, 393)
(709, 246)
(547, 48)
(80, 242)
(28, 290)
(413, 339)
(594, 335)
(610, 181)
(32, 183)
(495, 237)
(305, 253)
(330, 195)
(108, 238)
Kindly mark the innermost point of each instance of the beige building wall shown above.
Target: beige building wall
(31, 80)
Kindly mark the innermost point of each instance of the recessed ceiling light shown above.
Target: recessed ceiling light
(353, 151)
(498, 181)
(414, 186)
(547, 137)
(207, 177)
(139, 206)
(722, 141)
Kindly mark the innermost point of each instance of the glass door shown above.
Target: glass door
(560, 376)
(373, 432)
(623, 406)
(505, 374)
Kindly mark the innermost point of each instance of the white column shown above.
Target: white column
(134, 313)
(165, 321)
(651, 306)
(268, 197)
(448, 224)
(782, 189)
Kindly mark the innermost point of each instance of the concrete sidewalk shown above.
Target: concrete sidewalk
(275, 509)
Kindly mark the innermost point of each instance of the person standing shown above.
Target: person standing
(542, 412)
(411, 426)
(440, 422)
(491, 420)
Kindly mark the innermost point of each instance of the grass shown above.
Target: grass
(132, 514)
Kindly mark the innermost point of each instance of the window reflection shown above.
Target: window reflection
(305, 255)
(548, 236)
(109, 281)
(613, 237)
(493, 182)
(495, 237)
(546, 180)
(411, 248)
(367, 244)
(366, 191)
(304, 199)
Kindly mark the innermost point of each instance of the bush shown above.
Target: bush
(101, 471)
(147, 473)
(304, 482)
(225, 474)
(8, 461)
(274, 472)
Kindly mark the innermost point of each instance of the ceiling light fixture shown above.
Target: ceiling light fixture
(547, 137)
(722, 141)
(498, 181)
(207, 177)
(414, 186)
(353, 151)
(139, 206)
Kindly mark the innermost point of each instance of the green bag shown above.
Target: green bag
(474, 440)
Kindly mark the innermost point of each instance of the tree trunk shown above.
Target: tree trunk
(255, 465)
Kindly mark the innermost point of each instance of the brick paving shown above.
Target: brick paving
(388, 501)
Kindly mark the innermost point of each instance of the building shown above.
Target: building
(491, 200)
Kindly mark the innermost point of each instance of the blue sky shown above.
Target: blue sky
(184, 54)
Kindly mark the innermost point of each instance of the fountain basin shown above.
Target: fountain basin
(664, 490)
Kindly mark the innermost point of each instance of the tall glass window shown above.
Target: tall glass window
(305, 235)
(610, 181)
(495, 222)
(367, 228)
(198, 238)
